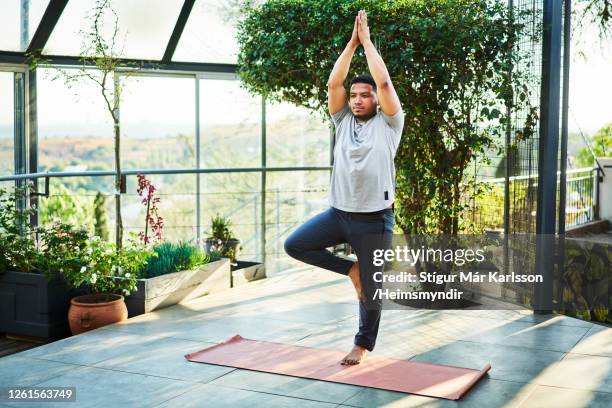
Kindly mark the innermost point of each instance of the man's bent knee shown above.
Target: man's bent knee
(292, 249)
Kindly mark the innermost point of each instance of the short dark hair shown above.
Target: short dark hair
(364, 78)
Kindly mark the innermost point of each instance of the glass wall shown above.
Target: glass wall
(296, 137)
(7, 124)
(236, 196)
(291, 199)
(230, 125)
(162, 117)
(158, 122)
(75, 128)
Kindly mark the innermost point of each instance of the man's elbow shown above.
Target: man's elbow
(386, 84)
(334, 84)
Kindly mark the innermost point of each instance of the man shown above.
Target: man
(362, 187)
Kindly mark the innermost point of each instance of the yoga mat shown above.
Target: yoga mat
(432, 380)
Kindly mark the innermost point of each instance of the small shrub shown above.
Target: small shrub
(173, 257)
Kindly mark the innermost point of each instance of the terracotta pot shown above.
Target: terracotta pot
(88, 312)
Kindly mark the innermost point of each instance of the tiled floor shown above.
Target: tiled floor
(537, 361)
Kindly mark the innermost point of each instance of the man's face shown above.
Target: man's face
(363, 100)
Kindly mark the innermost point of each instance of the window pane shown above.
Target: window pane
(158, 122)
(237, 197)
(145, 27)
(19, 23)
(209, 34)
(177, 206)
(7, 124)
(230, 125)
(75, 129)
(295, 137)
(71, 199)
(292, 197)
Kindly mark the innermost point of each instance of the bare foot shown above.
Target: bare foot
(356, 279)
(357, 354)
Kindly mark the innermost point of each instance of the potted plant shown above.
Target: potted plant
(108, 273)
(221, 238)
(34, 298)
(175, 272)
(222, 243)
(178, 272)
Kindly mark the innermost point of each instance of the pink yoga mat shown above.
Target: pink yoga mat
(432, 380)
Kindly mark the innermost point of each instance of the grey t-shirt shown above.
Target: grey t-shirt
(363, 175)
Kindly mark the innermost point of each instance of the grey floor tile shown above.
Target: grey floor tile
(207, 395)
(597, 342)
(16, 370)
(330, 339)
(258, 328)
(542, 336)
(97, 387)
(92, 347)
(486, 393)
(166, 358)
(507, 362)
(318, 313)
(288, 386)
(553, 397)
(169, 322)
(580, 371)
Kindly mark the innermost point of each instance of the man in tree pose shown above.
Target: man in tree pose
(362, 187)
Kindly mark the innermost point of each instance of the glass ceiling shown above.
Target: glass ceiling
(145, 28)
(12, 14)
(209, 34)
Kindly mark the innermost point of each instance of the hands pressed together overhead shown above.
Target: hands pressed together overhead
(361, 31)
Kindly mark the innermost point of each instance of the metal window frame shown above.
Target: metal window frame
(178, 30)
(52, 14)
(547, 154)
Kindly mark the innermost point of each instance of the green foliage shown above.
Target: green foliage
(222, 239)
(63, 249)
(449, 62)
(17, 245)
(110, 270)
(66, 205)
(596, 13)
(100, 221)
(55, 249)
(587, 279)
(173, 257)
(601, 145)
(221, 228)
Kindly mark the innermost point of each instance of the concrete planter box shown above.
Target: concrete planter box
(173, 288)
(32, 306)
(246, 272)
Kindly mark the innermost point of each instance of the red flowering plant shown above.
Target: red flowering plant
(146, 190)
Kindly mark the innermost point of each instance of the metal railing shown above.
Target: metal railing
(260, 239)
(581, 202)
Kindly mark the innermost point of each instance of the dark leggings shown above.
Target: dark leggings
(365, 232)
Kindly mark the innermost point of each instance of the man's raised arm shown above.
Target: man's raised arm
(387, 97)
(336, 94)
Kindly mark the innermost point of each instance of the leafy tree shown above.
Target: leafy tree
(600, 146)
(101, 60)
(70, 206)
(599, 12)
(451, 62)
(100, 224)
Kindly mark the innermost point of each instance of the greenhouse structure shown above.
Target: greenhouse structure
(156, 156)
